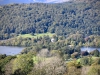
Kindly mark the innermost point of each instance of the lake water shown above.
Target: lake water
(9, 50)
(89, 49)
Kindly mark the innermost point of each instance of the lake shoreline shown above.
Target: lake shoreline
(14, 50)
(10, 50)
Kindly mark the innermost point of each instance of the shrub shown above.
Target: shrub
(94, 70)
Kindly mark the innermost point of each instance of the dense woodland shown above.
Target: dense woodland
(45, 62)
(74, 24)
(62, 18)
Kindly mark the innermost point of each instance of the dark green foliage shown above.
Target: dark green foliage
(84, 53)
(4, 61)
(96, 53)
(2, 56)
(18, 72)
(84, 61)
(22, 64)
(61, 19)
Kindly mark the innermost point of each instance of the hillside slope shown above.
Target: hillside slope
(61, 18)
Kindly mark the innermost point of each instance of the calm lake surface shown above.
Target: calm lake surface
(9, 50)
(89, 49)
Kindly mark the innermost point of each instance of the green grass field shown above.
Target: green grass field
(36, 59)
(35, 35)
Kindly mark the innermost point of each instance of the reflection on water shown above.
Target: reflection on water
(9, 50)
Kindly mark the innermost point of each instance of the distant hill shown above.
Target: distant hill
(61, 18)
(3, 2)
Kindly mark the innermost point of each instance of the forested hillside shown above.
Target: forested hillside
(62, 19)
(52, 36)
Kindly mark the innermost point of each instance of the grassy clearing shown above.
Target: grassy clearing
(78, 60)
(35, 35)
(26, 35)
(36, 59)
(93, 57)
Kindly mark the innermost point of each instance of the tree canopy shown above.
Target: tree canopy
(62, 19)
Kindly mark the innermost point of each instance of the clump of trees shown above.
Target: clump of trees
(95, 53)
(3, 61)
(94, 70)
(51, 66)
(22, 64)
(48, 62)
